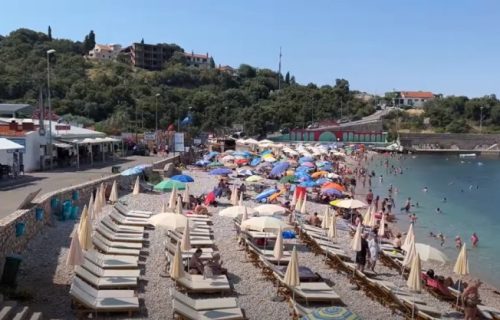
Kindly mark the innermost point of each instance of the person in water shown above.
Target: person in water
(441, 237)
(458, 242)
(474, 239)
(438, 210)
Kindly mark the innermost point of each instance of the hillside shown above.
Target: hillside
(115, 94)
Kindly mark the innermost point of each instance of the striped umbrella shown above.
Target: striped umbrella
(334, 313)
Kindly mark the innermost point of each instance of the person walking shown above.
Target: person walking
(374, 251)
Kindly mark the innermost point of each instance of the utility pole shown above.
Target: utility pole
(279, 72)
(49, 52)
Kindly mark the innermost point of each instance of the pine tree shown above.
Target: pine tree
(92, 39)
(49, 33)
(287, 78)
(142, 41)
(212, 63)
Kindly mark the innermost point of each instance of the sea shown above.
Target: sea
(467, 192)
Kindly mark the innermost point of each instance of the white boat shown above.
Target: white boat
(466, 155)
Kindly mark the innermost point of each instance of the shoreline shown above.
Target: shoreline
(487, 290)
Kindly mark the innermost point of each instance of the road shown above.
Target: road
(371, 118)
(13, 192)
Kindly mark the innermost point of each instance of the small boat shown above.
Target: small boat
(466, 155)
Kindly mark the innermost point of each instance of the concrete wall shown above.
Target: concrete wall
(449, 140)
(12, 244)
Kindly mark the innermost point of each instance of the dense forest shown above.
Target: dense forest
(118, 97)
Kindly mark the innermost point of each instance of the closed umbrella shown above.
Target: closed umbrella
(178, 207)
(381, 229)
(235, 211)
(234, 196)
(414, 283)
(75, 254)
(298, 205)
(461, 267)
(168, 220)
(270, 209)
(367, 216)
(356, 241)
(82, 217)
(185, 196)
(102, 203)
(173, 199)
(113, 197)
(278, 247)
(137, 188)
(91, 204)
(245, 215)
(176, 266)
(429, 253)
(410, 237)
(332, 231)
(331, 313)
(303, 204)
(410, 254)
(294, 197)
(86, 236)
(96, 206)
(292, 278)
(324, 222)
(185, 241)
(240, 201)
(264, 224)
(164, 207)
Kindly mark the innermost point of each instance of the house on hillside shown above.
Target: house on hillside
(104, 52)
(197, 60)
(415, 99)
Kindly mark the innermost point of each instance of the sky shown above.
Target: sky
(448, 46)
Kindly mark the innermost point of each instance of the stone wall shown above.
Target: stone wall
(463, 141)
(10, 243)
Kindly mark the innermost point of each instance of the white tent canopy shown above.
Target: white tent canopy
(6, 144)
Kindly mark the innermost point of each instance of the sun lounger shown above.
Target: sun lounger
(103, 300)
(207, 253)
(421, 308)
(100, 272)
(120, 228)
(118, 244)
(128, 221)
(199, 284)
(104, 247)
(315, 291)
(112, 261)
(127, 237)
(204, 304)
(195, 242)
(105, 282)
(214, 314)
(489, 312)
(337, 252)
(132, 213)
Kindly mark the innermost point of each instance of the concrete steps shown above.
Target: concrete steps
(11, 310)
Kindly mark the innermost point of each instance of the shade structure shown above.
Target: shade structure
(178, 206)
(264, 224)
(331, 192)
(113, 197)
(137, 187)
(240, 200)
(82, 217)
(410, 237)
(332, 231)
(367, 216)
(461, 267)
(220, 172)
(172, 200)
(429, 253)
(331, 313)
(333, 185)
(288, 179)
(235, 211)
(303, 208)
(85, 236)
(278, 246)
(234, 196)
(167, 185)
(326, 218)
(298, 204)
(96, 206)
(215, 164)
(182, 178)
(356, 241)
(245, 214)
(381, 229)
(185, 241)
(103, 196)
(270, 209)
(265, 194)
(291, 278)
(176, 267)
(186, 194)
(164, 207)
(349, 204)
(75, 254)
(254, 178)
(168, 220)
(410, 254)
(414, 283)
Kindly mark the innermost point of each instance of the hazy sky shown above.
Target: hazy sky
(445, 46)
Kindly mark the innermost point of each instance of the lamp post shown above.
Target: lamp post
(156, 113)
(49, 52)
(481, 120)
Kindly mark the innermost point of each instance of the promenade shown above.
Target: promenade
(13, 192)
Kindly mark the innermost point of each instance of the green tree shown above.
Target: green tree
(212, 63)
(49, 33)
(287, 78)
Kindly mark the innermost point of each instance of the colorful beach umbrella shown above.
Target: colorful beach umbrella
(255, 162)
(333, 185)
(332, 192)
(331, 313)
(167, 185)
(288, 179)
(182, 178)
(220, 172)
(254, 178)
(348, 204)
(215, 164)
(265, 194)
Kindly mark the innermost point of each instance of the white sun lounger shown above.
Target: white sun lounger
(214, 314)
(100, 272)
(128, 221)
(132, 213)
(118, 244)
(105, 282)
(104, 247)
(196, 283)
(100, 301)
(127, 237)
(121, 228)
(112, 261)
(204, 304)
(489, 312)
(422, 307)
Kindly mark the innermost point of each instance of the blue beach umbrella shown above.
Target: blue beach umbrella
(202, 163)
(182, 178)
(255, 161)
(265, 194)
(220, 172)
(308, 184)
(307, 164)
(279, 168)
(332, 192)
(244, 154)
(331, 313)
(263, 153)
(131, 171)
(306, 159)
(321, 181)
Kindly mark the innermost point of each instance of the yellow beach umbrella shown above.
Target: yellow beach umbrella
(86, 236)
(414, 282)
(137, 188)
(278, 247)
(113, 197)
(185, 241)
(176, 266)
(356, 241)
(292, 278)
(253, 178)
(75, 254)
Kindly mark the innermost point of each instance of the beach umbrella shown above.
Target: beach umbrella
(294, 198)
(75, 254)
(255, 162)
(113, 197)
(220, 172)
(176, 266)
(270, 209)
(264, 224)
(333, 185)
(324, 221)
(137, 188)
(95, 206)
(168, 220)
(429, 253)
(356, 241)
(173, 199)
(308, 164)
(367, 216)
(86, 236)
(373, 220)
(240, 201)
(303, 204)
(414, 282)
(215, 164)
(269, 159)
(265, 194)
(164, 207)
(349, 204)
(332, 192)
(202, 163)
(308, 184)
(381, 229)
(186, 194)
(102, 203)
(331, 313)
(131, 171)
(234, 196)
(412, 251)
(322, 181)
(91, 203)
(178, 207)
(167, 185)
(306, 159)
(332, 231)
(298, 205)
(182, 178)
(185, 241)
(245, 172)
(228, 158)
(278, 247)
(83, 217)
(461, 267)
(292, 278)
(410, 237)
(235, 211)
(318, 174)
(288, 179)
(245, 214)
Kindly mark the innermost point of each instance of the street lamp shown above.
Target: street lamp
(481, 120)
(49, 52)
(156, 113)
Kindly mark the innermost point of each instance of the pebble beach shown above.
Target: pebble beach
(46, 277)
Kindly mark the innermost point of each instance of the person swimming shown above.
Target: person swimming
(425, 189)
(438, 210)
(444, 199)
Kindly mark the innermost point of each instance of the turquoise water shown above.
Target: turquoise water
(466, 210)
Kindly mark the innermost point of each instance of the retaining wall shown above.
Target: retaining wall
(464, 141)
(12, 243)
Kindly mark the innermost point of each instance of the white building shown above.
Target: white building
(104, 52)
(415, 99)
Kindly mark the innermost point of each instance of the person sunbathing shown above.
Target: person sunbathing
(195, 264)
(314, 220)
(214, 266)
